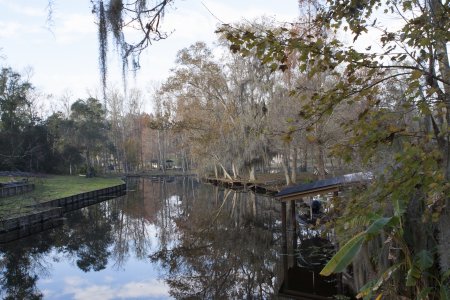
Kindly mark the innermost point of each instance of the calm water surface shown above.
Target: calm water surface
(165, 239)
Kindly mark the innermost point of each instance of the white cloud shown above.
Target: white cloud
(109, 279)
(72, 27)
(74, 280)
(190, 24)
(79, 288)
(48, 293)
(9, 29)
(91, 292)
(32, 11)
(26, 10)
(150, 288)
(227, 12)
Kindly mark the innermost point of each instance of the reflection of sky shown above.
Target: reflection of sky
(129, 273)
(135, 279)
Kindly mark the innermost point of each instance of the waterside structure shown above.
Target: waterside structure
(50, 214)
(294, 287)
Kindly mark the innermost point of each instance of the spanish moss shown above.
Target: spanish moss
(139, 15)
(103, 45)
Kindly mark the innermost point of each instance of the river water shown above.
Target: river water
(167, 238)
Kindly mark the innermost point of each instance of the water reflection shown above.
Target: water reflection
(164, 239)
(226, 247)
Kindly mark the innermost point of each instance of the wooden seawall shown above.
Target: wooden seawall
(15, 189)
(50, 214)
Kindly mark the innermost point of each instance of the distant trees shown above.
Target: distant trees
(28, 143)
(238, 117)
(23, 136)
(221, 108)
(89, 130)
(127, 123)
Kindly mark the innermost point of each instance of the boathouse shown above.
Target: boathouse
(300, 283)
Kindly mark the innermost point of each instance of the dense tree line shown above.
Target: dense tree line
(237, 118)
(24, 140)
(88, 137)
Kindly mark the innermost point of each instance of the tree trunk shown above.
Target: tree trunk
(305, 158)
(184, 162)
(162, 163)
(320, 162)
(294, 165)
(444, 240)
(235, 170)
(436, 12)
(225, 173)
(88, 164)
(141, 144)
(285, 164)
(252, 173)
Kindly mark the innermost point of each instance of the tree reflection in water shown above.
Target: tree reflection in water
(211, 243)
(19, 269)
(224, 246)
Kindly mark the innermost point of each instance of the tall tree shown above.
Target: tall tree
(15, 120)
(90, 126)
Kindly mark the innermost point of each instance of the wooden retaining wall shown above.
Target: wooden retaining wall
(17, 189)
(18, 227)
(85, 199)
(50, 214)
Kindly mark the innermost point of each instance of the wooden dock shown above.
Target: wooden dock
(268, 188)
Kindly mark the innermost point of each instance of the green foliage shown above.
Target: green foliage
(24, 140)
(422, 261)
(347, 253)
(368, 290)
(344, 256)
(88, 128)
(54, 145)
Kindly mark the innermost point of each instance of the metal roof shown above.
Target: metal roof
(324, 185)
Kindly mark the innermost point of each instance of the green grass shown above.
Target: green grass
(50, 188)
(4, 179)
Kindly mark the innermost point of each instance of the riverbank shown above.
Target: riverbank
(265, 183)
(50, 187)
(268, 184)
(51, 213)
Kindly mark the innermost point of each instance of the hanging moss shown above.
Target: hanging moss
(114, 16)
(103, 44)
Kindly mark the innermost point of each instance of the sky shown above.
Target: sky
(61, 55)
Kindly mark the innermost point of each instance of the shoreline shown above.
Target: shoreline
(50, 214)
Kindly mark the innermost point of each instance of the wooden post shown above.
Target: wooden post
(293, 225)
(284, 241)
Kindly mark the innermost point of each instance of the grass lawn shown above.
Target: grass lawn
(49, 188)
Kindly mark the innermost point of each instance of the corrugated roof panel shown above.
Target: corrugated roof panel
(320, 184)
